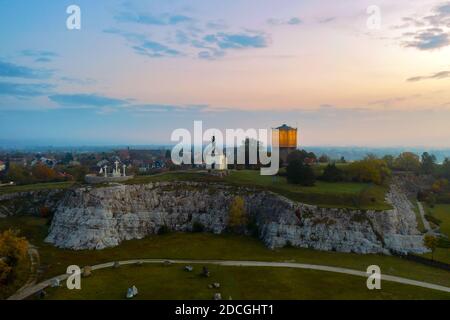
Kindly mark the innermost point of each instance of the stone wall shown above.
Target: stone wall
(96, 218)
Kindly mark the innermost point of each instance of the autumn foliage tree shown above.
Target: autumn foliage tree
(13, 250)
(238, 216)
(431, 242)
(43, 173)
(369, 170)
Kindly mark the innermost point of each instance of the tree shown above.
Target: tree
(237, 214)
(445, 168)
(389, 159)
(12, 247)
(299, 173)
(375, 171)
(332, 173)
(324, 159)
(428, 163)
(43, 173)
(68, 157)
(431, 242)
(300, 155)
(5, 271)
(18, 174)
(408, 161)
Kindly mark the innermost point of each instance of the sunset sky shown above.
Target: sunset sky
(139, 69)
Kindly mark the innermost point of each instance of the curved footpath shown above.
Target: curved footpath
(40, 286)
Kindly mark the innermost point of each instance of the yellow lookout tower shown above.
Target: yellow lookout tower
(287, 141)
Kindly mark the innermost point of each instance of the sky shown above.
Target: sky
(344, 72)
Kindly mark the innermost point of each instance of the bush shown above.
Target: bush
(299, 173)
(198, 227)
(163, 230)
(252, 228)
(369, 170)
(237, 215)
(332, 173)
(5, 272)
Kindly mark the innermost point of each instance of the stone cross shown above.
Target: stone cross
(106, 172)
(117, 166)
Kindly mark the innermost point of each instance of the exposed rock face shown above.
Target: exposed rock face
(103, 217)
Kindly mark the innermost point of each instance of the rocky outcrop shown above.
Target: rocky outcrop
(96, 218)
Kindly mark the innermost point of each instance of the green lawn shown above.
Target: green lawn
(208, 246)
(36, 186)
(172, 282)
(442, 212)
(326, 194)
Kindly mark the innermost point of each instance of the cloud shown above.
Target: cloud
(156, 20)
(389, 102)
(40, 55)
(431, 31)
(428, 40)
(144, 108)
(144, 46)
(438, 75)
(237, 40)
(327, 20)
(86, 100)
(11, 70)
(24, 90)
(292, 21)
(155, 49)
(71, 80)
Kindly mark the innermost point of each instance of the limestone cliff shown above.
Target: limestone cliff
(96, 218)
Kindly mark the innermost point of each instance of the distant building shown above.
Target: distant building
(287, 141)
(2, 166)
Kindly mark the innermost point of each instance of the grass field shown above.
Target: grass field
(54, 261)
(36, 187)
(442, 212)
(172, 282)
(325, 194)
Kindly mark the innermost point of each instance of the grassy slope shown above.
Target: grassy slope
(36, 187)
(326, 194)
(420, 225)
(441, 212)
(208, 246)
(171, 282)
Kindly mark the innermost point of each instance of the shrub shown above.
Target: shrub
(5, 271)
(12, 247)
(332, 173)
(237, 215)
(252, 228)
(369, 170)
(198, 227)
(299, 173)
(163, 230)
